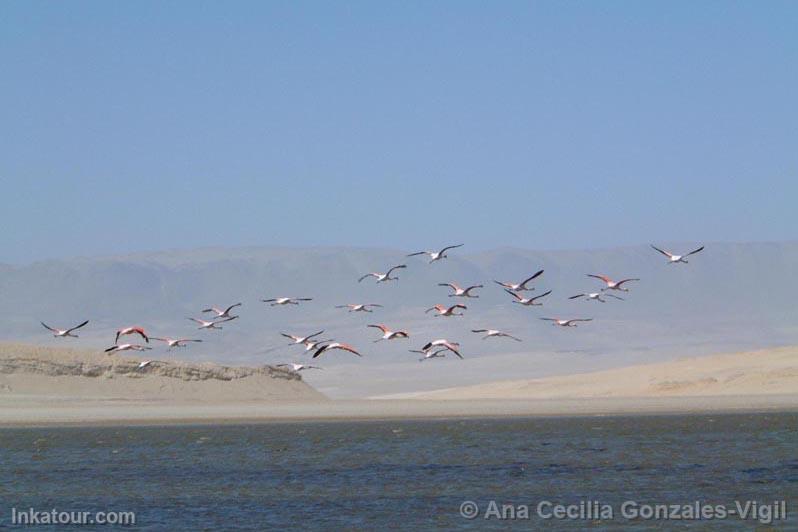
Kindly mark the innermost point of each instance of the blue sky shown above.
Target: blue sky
(151, 125)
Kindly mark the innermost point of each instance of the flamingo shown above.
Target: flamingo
(388, 334)
(301, 339)
(222, 313)
(383, 277)
(435, 255)
(493, 333)
(673, 259)
(519, 287)
(529, 302)
(566, 323)
(442, 343)
(175, 342)
(297, 367)
(440, 353)
(310, 345)
(131, 330)
(335, 345)
(63, 333)
(127, 347)
(211, 324)
(359, 307)
(286, 300)
(613, 285)
(460, 292)
(591, 296)
(442, 310)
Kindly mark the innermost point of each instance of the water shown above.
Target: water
(402, 474)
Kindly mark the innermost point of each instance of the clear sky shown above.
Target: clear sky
(130, 126)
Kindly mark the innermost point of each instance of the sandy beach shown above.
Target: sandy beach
(45, 411)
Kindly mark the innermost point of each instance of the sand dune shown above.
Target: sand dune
(31, 375)
(767, 372)
(64, 386)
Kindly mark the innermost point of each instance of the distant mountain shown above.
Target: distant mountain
(730, 297)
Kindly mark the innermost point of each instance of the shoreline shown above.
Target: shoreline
(140, 414)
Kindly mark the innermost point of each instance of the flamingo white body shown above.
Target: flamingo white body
(673, 259)
(301, 339)
(383, 277)
(127, 347)
(527, 301)
(279, 301)
(131, 330)
(442, 343)
(297, 367)
(566, 323)
(494, 333)
(64, 333)
(335, 345)
(522, 286)
(613, 285)
(359, 307)
(443, 310)
(435, 255)
(458, 291)
(595, 296)
(440, 353)
(220, 313)
(388, 334)
(211, 324)
(175, 342)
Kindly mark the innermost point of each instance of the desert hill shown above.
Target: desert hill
(771, 371)
(31, 372)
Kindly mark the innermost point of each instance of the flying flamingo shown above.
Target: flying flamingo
(612, 285)
(673, 259)
(442, 310)
(566, 323)
(359, 307)
(211, 324)
(529, 302)
(63, 333)
(127, 347)
(443, 343)
(591, 296)
(519, 287)
(388, 334)
(435, 255)
(131, 330)
(175, 342)
(286, 300)
(297, 367)
(383, 277)
(310, 345)
(219, 313)
(493, 333)
(460, 292)
(335, 345)
(300, 339)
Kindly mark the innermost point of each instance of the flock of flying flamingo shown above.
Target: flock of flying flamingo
(433, 349)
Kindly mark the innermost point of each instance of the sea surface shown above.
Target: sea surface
(412, 475)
